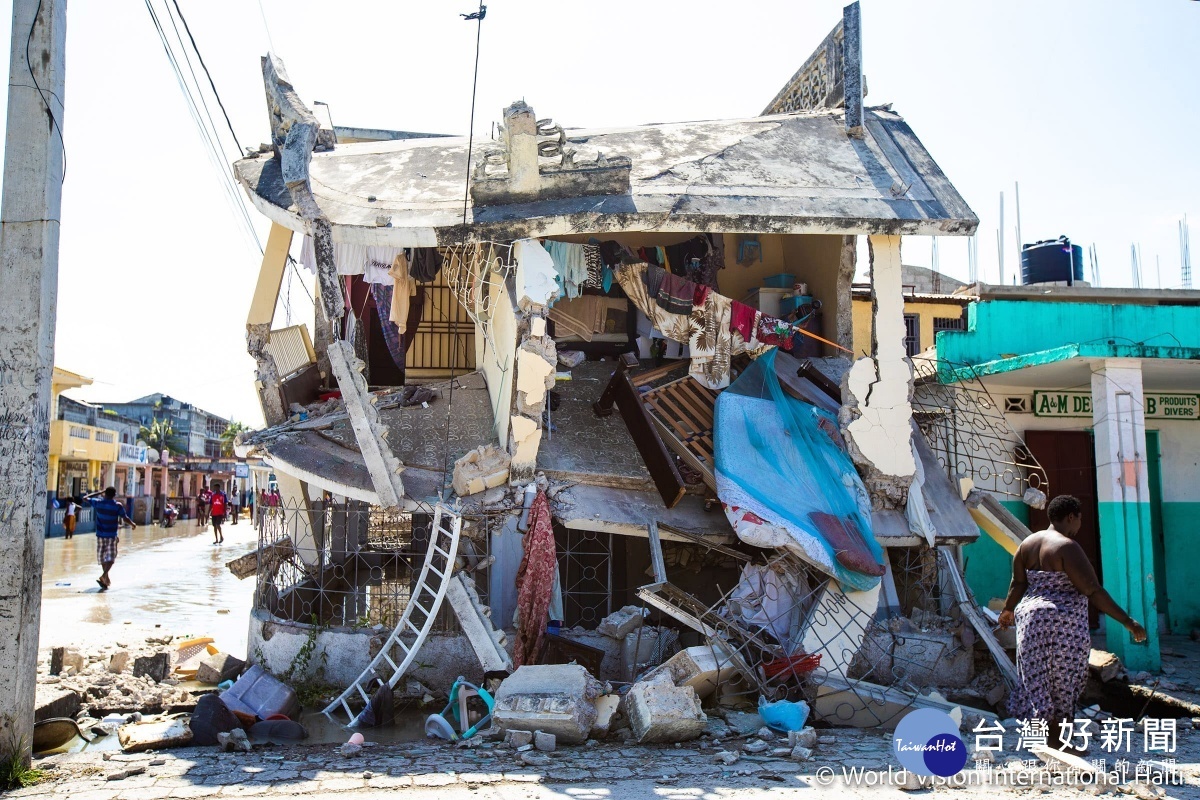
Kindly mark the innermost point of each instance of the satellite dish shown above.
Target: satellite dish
(152, 454)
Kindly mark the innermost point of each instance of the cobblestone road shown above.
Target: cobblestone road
(595, 772)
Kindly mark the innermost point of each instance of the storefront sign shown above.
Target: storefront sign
(241, 470)
(1079, 404)
(132, 454)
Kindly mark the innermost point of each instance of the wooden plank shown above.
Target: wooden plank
(966, 604)
(650, 445)
(806, 369)
(270, 276)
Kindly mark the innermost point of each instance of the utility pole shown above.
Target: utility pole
(29, 226)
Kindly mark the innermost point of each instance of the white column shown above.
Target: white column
(29, 222)
(881, 386)
(1123, 495)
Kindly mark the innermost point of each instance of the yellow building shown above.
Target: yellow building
(925, 314)
(78, 452)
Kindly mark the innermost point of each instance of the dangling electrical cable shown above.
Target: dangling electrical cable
(478, 17)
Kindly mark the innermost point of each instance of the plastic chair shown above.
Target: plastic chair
(437, 725)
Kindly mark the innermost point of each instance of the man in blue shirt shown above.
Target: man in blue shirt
(108, 513)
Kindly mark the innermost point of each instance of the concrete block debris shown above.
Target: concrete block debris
(219, 668)
(62, 657)
(1104, 666)
(554, 698)
(51, 702)
(533, 758)
(727, 757)
(544, 742)
(620, 624)
(606, 711)
(118, 662)
(703, 668)
(755, 746)
(518, 738)
(155, 734)
(659, 711)
(805, 738)
(155, 667)
(481, 469)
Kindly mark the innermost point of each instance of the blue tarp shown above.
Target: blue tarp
(784, 460)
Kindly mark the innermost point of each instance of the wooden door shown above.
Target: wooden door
(1069, 458)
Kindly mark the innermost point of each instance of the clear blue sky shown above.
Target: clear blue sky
(1092, 106)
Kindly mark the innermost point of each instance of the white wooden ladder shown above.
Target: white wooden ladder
(426, 600)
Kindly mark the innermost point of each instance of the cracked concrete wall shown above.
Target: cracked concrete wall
(535, 367)
(877, 415)
(495, 353)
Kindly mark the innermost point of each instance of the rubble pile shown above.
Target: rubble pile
(119, 679)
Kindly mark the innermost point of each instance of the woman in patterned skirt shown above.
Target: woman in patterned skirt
(1048, 601)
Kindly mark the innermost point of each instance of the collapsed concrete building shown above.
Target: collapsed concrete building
(407, 483)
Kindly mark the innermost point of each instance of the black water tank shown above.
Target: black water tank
(1051, 261)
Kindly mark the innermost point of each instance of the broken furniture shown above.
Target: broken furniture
(454, 723)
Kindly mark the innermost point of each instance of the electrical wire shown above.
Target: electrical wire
(42, 92)
(207, 74)
(478, 17)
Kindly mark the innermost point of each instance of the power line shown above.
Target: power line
(478, 17)
(207, 74)
(43, 92)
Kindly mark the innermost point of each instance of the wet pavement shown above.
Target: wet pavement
(165, 581)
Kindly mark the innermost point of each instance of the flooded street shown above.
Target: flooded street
(165, 581)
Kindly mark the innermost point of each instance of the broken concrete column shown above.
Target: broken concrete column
(558, 699)
(364, 419)
(483, 468)
(659, 711)
(877, 415)
(847, 266)
(536, 363)
(606, 710)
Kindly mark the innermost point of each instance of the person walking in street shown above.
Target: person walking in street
(219, 504)
(69, 518)
(108, 513)
(235, 503)
(1052, 582)
(202, 506)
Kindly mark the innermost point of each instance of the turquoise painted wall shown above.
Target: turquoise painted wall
(999, 329)
(1127, 561)
(988, 567)
(1180, 542)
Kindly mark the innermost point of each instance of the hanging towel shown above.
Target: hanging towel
(676, 294)
(653, 279)
(403, 289)
(398, 343)
(699, 295)
(742, 319)
(711, 343)
(425, 263)
(535, 583)
(570, 262)
(595, 267)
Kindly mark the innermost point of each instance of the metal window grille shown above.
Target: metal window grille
(104, 436)
(80, 433)
(958, 323)
(585, 566)
(353, 565)
(912, 334)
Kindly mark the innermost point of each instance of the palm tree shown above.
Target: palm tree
(160, 434)
(231, 432)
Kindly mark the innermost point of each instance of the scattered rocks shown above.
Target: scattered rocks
(620, 624)
(805, 738)
(349, 750)
(544, 742)
(518, 738)
(727, 757)
(118, 662)
(755, 746)
(125, 773)
(237, 741)
(533, 759)
(766, 734)
(801, 753)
